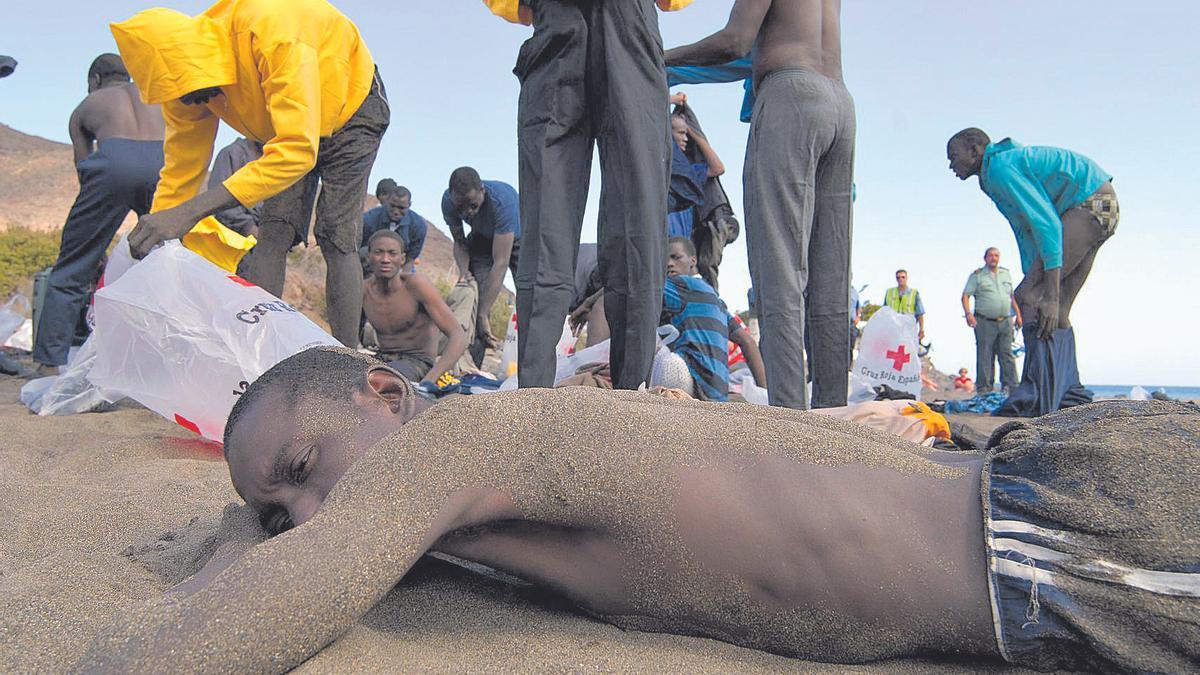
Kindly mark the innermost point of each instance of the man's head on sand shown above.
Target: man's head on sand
(681, 257)
(467, 191)
(397, 203)
(298, 429)
(902, 279)
(385, 254)
(991, 258)
(106, 71)
(965, 151)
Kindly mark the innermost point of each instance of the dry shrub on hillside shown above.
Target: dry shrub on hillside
(22, 253)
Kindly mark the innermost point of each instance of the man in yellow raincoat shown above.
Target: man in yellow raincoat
(591, 73)
(293, 75)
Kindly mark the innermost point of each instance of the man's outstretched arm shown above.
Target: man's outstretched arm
(731, 42)
(289, 597)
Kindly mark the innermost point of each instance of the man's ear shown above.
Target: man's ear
(390, 386)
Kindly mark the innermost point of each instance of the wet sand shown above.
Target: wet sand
(100, 513)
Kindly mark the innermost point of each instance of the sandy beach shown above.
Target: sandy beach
(100, 513)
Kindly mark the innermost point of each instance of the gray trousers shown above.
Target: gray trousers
(118, 178)
(592, 73)
(799, 169)
(994, 340)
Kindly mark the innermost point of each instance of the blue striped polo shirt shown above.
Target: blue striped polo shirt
(704, 325)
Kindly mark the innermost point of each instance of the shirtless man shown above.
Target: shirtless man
(799, 168)
(740, 523)
(408, 314)
(118, 142)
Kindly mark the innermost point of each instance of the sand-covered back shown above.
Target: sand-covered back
(100, 513)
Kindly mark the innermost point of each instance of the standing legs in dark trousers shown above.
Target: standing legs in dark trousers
(118, 178)
(799, 168)
(993, 340)
(480, 264)
(592, 73)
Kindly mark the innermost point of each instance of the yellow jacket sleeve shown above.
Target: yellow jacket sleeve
(511, 10)
(187, 148)
(291, 81)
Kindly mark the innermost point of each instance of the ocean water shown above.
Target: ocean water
(1114, 390)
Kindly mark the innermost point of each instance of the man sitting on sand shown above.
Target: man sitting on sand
(704, 323)
(745, 524)
(408, 314)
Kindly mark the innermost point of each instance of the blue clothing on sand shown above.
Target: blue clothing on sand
(500, 213)
(412, 228)
(704, 324)
(740, 69)
(1033, 186)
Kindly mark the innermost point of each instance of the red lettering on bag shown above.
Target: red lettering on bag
(187, 424)
(240, 281)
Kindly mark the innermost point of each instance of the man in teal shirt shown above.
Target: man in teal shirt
(1061, 206)
(992, 320)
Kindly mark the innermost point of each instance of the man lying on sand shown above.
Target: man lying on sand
(745, 524)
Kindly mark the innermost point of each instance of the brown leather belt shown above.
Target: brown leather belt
(988, 318)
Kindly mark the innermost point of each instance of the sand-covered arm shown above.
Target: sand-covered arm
(294, 594)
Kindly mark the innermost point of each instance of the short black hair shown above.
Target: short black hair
(402, 192)
(326, 373)
(108, 67)
(385, 187)
(989, 250)
(972, 137)
(384, 234)
(463, 180)
(904, 271)
(685, 242)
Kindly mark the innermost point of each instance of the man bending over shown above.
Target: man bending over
(117, 141)
(294, 75)
(408, 313)
(744, 524)
(1062, 208)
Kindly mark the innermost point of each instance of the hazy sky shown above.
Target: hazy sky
(1113, 80)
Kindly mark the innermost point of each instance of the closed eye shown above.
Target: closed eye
(275, 521)
(302, 466)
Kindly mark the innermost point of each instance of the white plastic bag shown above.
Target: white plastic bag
(69, 392)
(184, 338)
(22, 338)
(508, 350)
(887, 353)
(569, 364)
(12, 315)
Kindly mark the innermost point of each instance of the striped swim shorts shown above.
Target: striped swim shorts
(1093, 538)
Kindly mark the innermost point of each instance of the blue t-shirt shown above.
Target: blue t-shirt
(704, 324)
(412, 228)
(1033, 187)
(499, 214)
(686, 192)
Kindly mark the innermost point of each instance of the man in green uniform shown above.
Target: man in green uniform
(992, 287)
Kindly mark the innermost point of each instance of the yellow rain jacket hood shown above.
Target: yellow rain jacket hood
(290, 71)
(516, 12)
